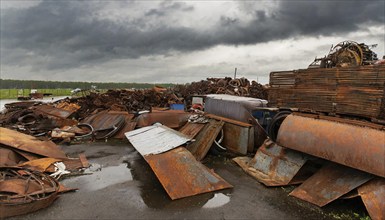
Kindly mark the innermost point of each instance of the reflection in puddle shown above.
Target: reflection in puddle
(101, 177)
(218, 200)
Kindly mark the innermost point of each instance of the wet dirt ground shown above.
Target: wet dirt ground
(120, 185)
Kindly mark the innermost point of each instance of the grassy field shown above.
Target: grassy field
(14, 93)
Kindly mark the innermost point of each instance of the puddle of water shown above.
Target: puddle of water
(101, 177)
(218, 200)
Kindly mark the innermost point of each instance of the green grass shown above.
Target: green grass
(14, 93)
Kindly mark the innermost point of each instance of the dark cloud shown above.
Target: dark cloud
(70, 34)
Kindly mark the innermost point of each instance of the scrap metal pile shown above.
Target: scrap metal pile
(238, 87)
(29, 172)
(347, 54)
(353, 91)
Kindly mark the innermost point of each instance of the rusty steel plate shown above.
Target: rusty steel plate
(29, 143)
(181, 175)
(205, 139)
(373, 195)
(191, 129)
(237, 138)
(359, 147)
(329, 183)
(273, 165)
(53, 111)
(169, 118)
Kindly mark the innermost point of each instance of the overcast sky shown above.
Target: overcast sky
(177, 41)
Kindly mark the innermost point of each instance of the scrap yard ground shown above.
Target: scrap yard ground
(123, 186)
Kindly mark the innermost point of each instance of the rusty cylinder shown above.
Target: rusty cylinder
(359, 147)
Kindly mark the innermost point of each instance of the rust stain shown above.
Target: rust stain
(182, 175)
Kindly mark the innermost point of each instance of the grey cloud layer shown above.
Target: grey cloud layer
(67, 34)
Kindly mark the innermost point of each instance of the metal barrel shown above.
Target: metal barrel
(355, 146)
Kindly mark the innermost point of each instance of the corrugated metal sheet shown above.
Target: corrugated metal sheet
(237, 108)
(248, 102)
(329, 183)
(30, 144)
(182, 175)
(155, 139)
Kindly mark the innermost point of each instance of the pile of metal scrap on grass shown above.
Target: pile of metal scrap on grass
(29, 172)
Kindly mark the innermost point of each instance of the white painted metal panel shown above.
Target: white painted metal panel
(155, 139)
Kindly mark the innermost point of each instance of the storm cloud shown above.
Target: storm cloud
(71, 34)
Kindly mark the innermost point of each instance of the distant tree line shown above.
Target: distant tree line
(39, 84)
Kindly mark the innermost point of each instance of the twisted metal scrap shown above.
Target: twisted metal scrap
(23, 191)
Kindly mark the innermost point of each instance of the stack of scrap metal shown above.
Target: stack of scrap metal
(349, 155)
(28, 168)
(354, 91)
(175, 162)
(227, 85)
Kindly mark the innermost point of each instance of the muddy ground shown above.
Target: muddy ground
(120, 185)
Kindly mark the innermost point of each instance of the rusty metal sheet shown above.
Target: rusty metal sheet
(205, 139)
(359, 147)
(273, 165)
(23, 191)
(191, 129)
(155, 139)
(29, 143)
(107, 124)
(182, 175)
(9, 157)
(170, 118)
(53, 111)
(373, 195)
(40, 165)
(329, 183)
(128, 126)
(237, 139)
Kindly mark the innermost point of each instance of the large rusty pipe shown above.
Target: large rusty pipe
(358, 147)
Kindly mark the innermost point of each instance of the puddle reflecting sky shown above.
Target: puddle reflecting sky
(101, 177)
(218, 200)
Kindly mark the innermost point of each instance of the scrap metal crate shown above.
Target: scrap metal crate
(353, 91)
